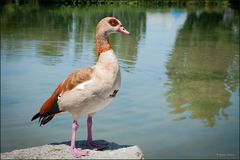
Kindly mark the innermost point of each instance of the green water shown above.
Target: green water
(180, 77)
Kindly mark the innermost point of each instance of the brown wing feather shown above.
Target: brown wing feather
(49, 103)
(46, 111)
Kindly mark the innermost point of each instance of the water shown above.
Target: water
(180, 81)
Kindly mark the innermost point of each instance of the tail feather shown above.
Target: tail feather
(44, 118)
(35, 116)
(47, 112)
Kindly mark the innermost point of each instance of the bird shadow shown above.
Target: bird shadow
(83, 144)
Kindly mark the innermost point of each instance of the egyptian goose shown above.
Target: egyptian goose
(87, 90)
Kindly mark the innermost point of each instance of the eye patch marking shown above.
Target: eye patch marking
(113, 22)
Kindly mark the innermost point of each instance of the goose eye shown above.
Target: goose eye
(113, 22)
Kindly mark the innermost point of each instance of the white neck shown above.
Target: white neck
(108, 57)
(107, 66)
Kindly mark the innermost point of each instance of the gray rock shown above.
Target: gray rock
(62, 151)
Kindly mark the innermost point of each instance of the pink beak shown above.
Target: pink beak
(123, 30)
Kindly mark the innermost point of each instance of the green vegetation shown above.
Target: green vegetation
(145, 3)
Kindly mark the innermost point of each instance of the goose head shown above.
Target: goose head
(110, 25)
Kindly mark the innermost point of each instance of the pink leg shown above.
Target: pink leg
(74, 150)
(90, 144)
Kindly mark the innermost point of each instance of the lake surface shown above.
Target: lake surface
(180, 77)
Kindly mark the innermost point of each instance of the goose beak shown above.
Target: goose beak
(123, 30)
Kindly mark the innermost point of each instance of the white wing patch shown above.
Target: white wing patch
(83, 85)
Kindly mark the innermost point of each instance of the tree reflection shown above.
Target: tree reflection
(203, 69)
(63, 29)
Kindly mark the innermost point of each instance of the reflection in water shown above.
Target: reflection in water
(65, 30)
(51, 52)
(203, 68)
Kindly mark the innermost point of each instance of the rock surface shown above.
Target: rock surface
(62, 151)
